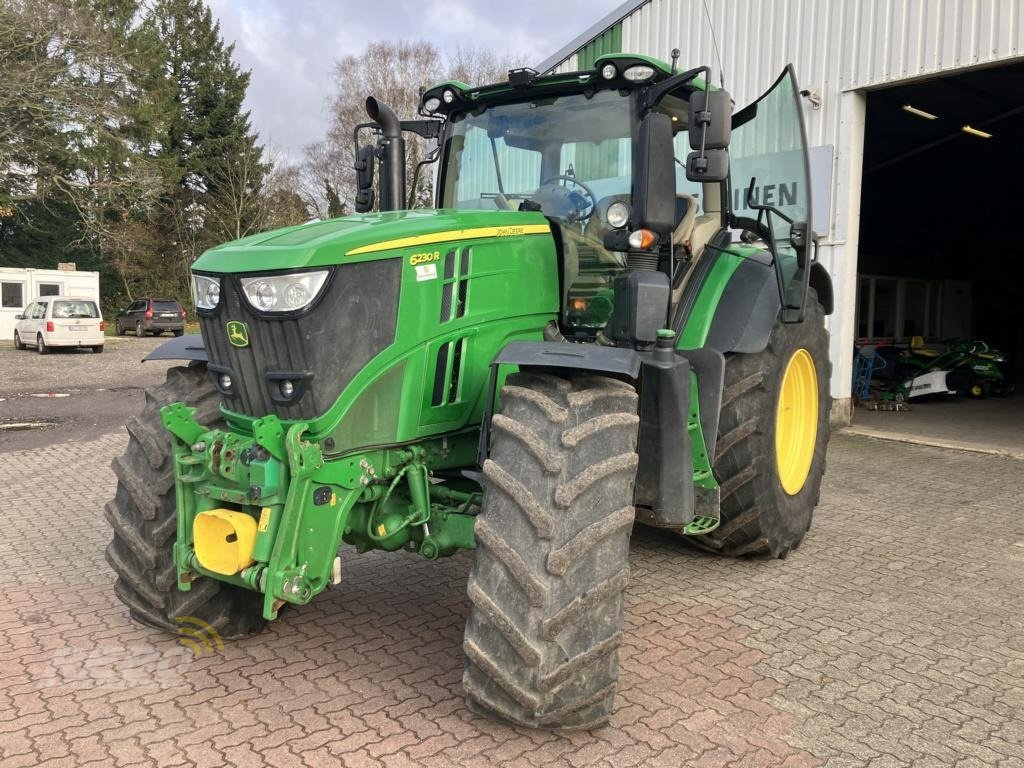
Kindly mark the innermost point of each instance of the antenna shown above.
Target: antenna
(714, 41)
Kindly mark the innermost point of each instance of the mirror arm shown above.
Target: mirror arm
(426, 129)
(655, 93)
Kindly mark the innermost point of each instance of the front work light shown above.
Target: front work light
(206, 291)
(432, 104)
(608, 71)
(288, 292)
(448, 95)
(638, 73)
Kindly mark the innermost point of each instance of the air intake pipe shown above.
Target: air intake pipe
(392, 154)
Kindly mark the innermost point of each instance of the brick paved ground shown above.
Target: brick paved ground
(894, 636)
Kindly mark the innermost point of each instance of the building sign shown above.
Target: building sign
(779, 181)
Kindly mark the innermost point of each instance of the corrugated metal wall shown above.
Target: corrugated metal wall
(608, 42)
(835, 45)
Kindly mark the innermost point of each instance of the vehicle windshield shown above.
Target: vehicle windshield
(569, 155)
(503, 155)
(75, 309)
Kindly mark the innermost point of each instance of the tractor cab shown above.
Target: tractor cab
(630, 162)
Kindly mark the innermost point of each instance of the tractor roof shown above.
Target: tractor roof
(626, 70)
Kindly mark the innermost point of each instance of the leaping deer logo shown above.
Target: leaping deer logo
(238, 334)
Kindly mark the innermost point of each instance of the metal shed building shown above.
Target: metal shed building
(843, 52)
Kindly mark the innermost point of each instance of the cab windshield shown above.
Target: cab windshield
(505, 154)
(568, 156)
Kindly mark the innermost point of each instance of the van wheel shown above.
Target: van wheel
(41, 347)
(98, 348)
(178, 333)
(17, 341)
(138, 330)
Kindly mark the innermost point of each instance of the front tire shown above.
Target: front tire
(18, 344)
(144, 518)
(772, 439)
(551, 564)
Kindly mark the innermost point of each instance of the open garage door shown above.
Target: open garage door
(940, 300)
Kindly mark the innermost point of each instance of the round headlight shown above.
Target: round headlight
(608, 71)
(296, 295)
(225, 382)
(265, 295)
(287, 388)
(432, 104)
(448, 95)
(618, 214)
(638, 73)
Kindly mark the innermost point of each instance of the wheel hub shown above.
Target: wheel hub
(796, 422)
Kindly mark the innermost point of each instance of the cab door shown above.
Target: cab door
(771, 186)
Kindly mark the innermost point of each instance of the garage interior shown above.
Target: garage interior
(942, 241)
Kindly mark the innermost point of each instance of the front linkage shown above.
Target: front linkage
(266, 512)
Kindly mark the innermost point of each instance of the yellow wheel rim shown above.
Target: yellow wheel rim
(976, 390)
(796, 422)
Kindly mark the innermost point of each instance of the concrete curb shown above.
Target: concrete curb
(934, 442)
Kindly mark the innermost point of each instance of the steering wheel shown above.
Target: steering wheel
(555, 198)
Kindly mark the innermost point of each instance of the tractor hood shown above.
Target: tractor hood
(364, 237)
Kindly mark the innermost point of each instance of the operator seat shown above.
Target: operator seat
(684, 229)
(707, 224)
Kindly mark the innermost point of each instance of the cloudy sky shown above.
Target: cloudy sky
(291, 45)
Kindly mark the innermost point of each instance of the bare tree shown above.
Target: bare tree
(394, 73)
(324, 182)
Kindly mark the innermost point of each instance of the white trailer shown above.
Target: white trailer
(19, 286)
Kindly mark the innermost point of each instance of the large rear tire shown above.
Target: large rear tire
(144, 518)
(552, 552)
(772, 438)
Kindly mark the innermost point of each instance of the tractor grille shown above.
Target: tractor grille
(351, 323)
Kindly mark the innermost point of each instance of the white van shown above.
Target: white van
(59, 321)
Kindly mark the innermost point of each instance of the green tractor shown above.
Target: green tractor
(571, 342)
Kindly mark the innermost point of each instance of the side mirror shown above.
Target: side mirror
(710, 119)
(655, 195)
(19, 317)
(713, 166)
(364, 179)
(710, 129)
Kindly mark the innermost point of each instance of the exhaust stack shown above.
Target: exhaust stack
(392, 175)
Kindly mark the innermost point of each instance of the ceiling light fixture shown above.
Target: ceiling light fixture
(976, 132)
(919, 112)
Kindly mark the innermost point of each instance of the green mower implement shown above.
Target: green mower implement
(569, 343)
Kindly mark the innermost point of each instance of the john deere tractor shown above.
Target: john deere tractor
(595, 327)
